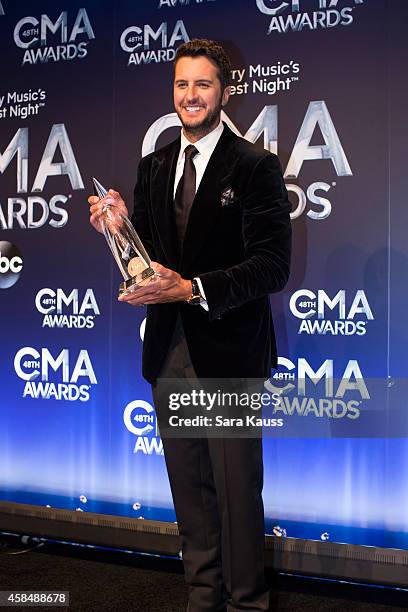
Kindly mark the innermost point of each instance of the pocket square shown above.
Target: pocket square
(227, 196)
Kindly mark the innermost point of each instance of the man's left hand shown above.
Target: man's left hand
(165, 286)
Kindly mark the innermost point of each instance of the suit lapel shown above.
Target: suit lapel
(207, 203)
(162, 185)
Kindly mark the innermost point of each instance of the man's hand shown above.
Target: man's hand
(166, 286)
(112, 199)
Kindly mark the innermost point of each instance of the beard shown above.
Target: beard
(203, 127)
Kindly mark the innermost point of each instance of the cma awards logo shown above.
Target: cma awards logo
(45, 40)
(67, 310)
(315, 392)
(11, 264)
(288, 16)
(34, 211)
(146, 45)
(61, 378)
(265, 126)
(139, 418)
(314, 311)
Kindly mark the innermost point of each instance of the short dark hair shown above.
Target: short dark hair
(212, 50)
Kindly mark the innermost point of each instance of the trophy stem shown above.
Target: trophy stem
(111, 244)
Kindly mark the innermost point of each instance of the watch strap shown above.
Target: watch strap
(196, 297)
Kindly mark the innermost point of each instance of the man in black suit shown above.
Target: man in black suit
(213, 213)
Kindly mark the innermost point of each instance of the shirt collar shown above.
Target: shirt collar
(206, 145)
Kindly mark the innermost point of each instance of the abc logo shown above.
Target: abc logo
(11, 264)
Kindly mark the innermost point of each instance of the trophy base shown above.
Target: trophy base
(136, 281)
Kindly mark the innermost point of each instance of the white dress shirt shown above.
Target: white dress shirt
(205, 147)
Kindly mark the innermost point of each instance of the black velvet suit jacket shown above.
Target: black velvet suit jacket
(238, 242)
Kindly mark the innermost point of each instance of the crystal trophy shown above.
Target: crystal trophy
(126, 246)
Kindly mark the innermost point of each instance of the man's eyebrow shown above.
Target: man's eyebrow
(195, 80)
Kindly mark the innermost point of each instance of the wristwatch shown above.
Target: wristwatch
(195, 297)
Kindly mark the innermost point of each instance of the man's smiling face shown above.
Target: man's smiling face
(198, 96)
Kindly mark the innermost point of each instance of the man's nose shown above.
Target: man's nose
(191, 93)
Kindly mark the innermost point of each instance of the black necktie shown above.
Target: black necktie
(185, 192)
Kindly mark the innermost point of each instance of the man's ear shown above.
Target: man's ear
(225, 96)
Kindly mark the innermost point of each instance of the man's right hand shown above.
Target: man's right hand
(112, 199)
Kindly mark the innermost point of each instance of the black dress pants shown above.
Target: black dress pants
(216, 485)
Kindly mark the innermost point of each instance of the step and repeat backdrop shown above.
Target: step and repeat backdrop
(86, 90)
